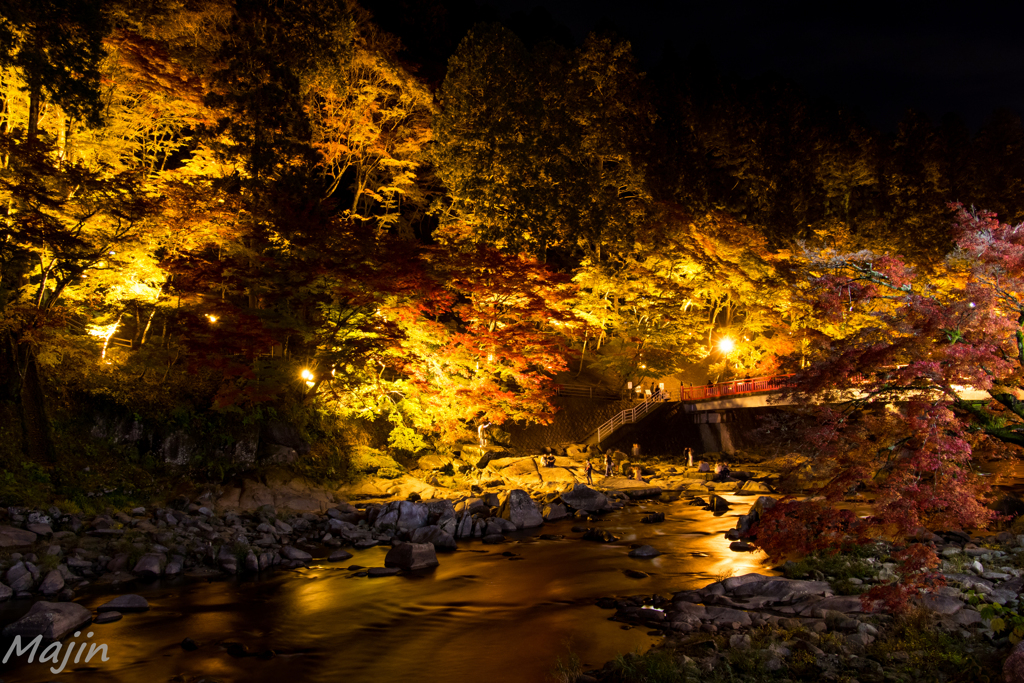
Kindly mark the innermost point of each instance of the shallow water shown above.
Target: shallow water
(478, 616)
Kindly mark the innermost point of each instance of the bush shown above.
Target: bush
(654, 666)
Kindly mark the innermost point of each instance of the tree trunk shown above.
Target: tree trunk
(38, 444)
(10, 378)
(35, 96)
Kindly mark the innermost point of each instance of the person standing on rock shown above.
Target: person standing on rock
(689, 457)
(608, 464)
(589, 470)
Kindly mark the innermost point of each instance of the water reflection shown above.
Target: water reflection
(481, 614)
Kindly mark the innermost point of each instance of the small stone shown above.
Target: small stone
(634, 574)
(739, 642)
(868, 629)
(339, 556)
(125, 603)
(644, 552)
(107, 617)
(374, 572)
(189, 645)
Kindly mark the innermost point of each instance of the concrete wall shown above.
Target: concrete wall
(576, 418)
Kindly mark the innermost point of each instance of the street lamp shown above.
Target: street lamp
(308, 377)
(726, 345)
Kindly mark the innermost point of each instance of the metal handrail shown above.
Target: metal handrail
(584, 390)
(629, 415)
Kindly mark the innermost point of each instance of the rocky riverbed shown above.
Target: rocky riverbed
(524, 588)
(762, 627)
(576, 537)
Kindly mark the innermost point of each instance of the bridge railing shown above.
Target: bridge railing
(586, 391)
(735, 388)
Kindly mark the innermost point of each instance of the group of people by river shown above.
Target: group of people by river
(721, 470)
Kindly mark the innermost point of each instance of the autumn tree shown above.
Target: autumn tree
(687, 282)
(899, 361)
(537, 148)
(56, 48)
(370, 123)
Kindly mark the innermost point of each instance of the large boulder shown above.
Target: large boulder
(751, 487)
(411, 556)
(717, 504)
(440, 539)
(412, 515)
(520, 509)
(51, 620)
(760, 505)
(490, 455)
(498, 525)
(178, 448)
(279, 432)
(1013, 667)
(293, 553)
(151, 564)
(21, 577)
(282, 490)
(53, 583)
(554, 512)
(578, 452)
(582, 497)
(11, 537)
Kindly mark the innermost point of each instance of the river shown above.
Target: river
(494, 613)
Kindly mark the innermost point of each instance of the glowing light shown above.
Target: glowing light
(307, 375)
(212, 318)
(726, 345)
(490, 357)
(972, 304)
(102, 331)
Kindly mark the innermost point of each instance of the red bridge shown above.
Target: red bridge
(736, 387)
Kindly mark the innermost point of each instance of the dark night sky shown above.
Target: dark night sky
(969, 61)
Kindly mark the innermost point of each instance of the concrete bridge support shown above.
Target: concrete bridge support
(714, 432)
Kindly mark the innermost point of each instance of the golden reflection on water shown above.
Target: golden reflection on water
(479, 615)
